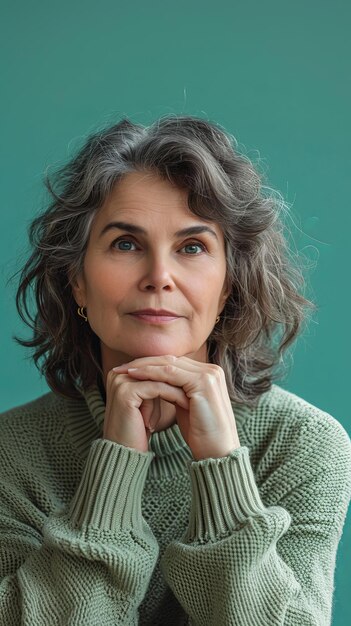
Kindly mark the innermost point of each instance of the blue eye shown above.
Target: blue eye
(123, 245)
(194, 245)
(125, 242)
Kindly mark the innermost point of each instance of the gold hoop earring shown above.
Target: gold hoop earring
(81, 312)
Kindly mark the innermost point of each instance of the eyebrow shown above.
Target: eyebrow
(138, 230)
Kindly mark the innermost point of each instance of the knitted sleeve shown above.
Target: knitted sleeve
(93, 563)
(243, 563)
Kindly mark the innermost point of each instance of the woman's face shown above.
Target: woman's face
(137, 259)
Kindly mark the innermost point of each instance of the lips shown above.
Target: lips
(156, 313)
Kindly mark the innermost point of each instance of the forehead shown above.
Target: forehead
(145, 192)
(142, 195)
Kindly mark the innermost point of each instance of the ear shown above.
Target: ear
(78, 289)
(226, 291)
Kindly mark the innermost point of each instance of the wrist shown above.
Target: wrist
(215, 452)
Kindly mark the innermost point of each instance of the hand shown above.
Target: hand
(133, 408)
(207, 422)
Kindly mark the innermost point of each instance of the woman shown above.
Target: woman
(166, 479)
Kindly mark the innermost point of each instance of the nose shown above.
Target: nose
(157, 275)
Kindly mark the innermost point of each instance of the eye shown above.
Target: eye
(192, 245)
(125, 243)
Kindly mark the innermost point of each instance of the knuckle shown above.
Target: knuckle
(113, 377)
(170, 358)
(211, 377)
(216, 371)
(110, 375)
(115, 382)
(124, 390)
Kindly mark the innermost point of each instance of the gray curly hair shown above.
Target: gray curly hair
(265, 309)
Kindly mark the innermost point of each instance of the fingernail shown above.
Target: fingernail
(119, 367)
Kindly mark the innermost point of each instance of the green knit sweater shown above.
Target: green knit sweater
(93, 533)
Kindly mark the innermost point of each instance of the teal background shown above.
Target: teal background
(276, 74)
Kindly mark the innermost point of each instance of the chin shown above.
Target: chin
(157, 350)
(154, 347)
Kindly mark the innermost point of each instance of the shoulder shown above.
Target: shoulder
(302, 457)
(45, 407)
(33, 426)
(284, 429)
(37, 450)
(282, 409)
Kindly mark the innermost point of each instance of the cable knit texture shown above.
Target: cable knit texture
(93, 533)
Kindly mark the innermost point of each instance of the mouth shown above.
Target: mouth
(153, 318)
(156, 312)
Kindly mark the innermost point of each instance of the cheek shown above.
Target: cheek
(204, 292)
(213, 283)
(103, 282)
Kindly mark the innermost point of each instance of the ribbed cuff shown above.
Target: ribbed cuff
(224, 495)
(109, 494)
